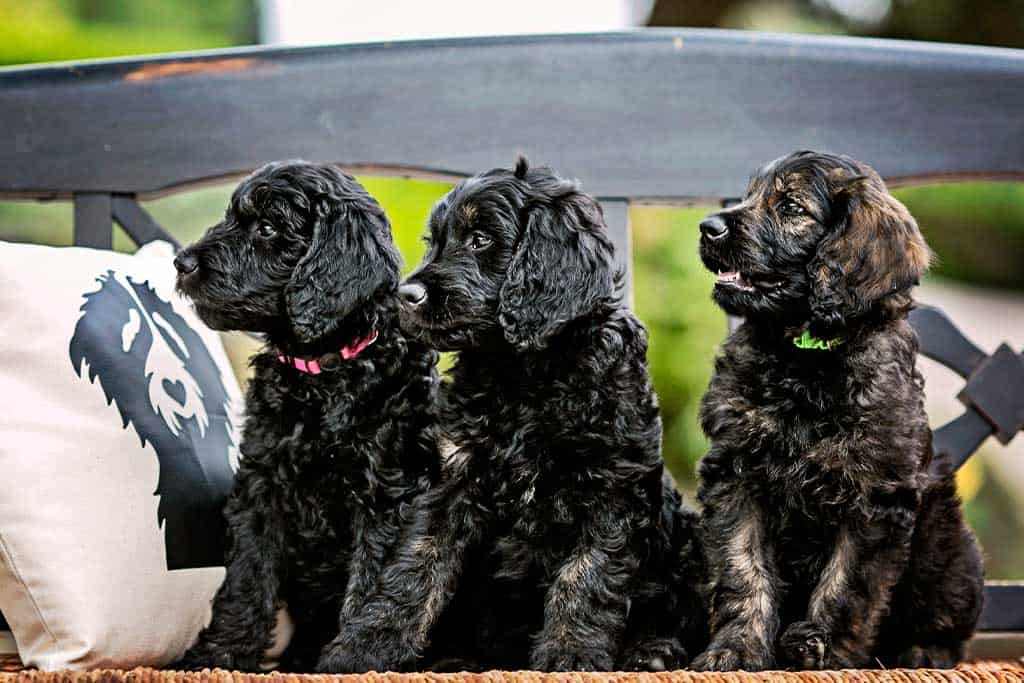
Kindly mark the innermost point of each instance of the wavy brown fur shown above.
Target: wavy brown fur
(831, 546)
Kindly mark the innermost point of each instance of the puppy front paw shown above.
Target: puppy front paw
(356, 652)
(655, 654)
(929, 657)
(338, 659)
(573, 658)
(717, 659)
(804, 646)
(730, 657)
(203, 656)
(455, 665)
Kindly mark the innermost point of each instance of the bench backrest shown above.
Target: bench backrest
(663, 115)
(671, 115)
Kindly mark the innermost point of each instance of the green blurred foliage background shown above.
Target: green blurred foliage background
(60, 30)
(977, 229)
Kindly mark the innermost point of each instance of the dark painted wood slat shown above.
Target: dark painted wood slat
(995, 646)
(958, 439)
(996, 391)
(1004, 606)
(942, 341)
(656, 113)
(137, 222)
(93, 221)
(616, 217)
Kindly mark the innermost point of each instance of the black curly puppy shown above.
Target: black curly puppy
(821, 520)
(553, 541)
(338, 407)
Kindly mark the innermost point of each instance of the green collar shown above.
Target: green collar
(806, 341)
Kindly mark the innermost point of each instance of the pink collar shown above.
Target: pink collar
(312, 367)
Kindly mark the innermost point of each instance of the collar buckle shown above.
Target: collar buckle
(314, 366)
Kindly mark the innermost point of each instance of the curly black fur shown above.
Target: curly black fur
(304, 255)
(830, 545)
(553, 541)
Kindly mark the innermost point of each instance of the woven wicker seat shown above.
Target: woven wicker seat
(984, 671)
(980, 672)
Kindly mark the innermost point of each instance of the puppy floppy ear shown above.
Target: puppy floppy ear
(351, 256)
(874, 251)
(561, 270)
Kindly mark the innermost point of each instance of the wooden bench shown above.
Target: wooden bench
(665, 116)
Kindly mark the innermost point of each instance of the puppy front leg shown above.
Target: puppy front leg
(585, 609)
(245, 607)
(393, 627)
(744, 612)
(849, 602)
(374, 539)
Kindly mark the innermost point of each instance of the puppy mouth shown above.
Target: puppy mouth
(744, 282)
(733, 279)
(423, 327)
(442, 338)
(445, 330)
(211, 316)
(419, 325)
(210, 312)
(191, 289)
(185, 283)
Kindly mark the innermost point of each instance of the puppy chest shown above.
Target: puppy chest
(795, 471)
(812, 453)
(537, 488)
(795, 487)
(548, 500)
(535, 511)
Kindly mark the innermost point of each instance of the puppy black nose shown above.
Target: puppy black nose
(185, 262)
(713, 227)
(412, 293)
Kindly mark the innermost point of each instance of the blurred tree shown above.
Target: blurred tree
(982, 22)
(59, 30)
(235, 19)
(681, 13)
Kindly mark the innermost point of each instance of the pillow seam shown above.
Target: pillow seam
(8, 558)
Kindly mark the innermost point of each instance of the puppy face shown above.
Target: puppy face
(817, 237)
(301, 246)
(513, 257)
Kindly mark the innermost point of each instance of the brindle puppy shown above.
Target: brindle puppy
(822, 521)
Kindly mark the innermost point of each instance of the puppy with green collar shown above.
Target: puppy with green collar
(831, 545)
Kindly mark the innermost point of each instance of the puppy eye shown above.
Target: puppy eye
(479, 240)
(266, 230)
(791, 208)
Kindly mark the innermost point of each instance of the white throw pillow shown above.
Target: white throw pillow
(118, 444)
